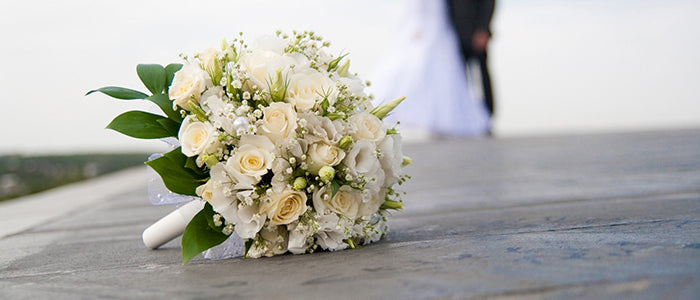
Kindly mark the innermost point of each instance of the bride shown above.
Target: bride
(424, 64)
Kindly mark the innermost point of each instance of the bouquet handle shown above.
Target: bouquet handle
(172, 225)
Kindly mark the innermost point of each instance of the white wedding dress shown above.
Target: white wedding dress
(425, 65)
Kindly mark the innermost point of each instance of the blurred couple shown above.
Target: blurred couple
(427, 63)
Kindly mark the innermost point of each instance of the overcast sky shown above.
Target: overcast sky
(558, 66)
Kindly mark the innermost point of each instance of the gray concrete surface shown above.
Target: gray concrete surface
(606, 216)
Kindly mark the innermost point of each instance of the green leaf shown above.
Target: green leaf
(166, 105)
(140, 125)
(119, 93)
(324, 105)
(335, 186)
(210, 218)
(170, 71)
(176, 177)
(191, 164)
(199, 236)
(171, 126)
(152, 76)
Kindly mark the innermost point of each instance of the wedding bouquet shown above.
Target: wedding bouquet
(279, 139)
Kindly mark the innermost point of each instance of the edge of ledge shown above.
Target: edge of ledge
(21, 214)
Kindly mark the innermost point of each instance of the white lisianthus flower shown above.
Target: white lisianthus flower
(253, 157)
(371, 206)
(224, 187)
(368, 127)
(306, 87)
(299, 237)
(354, 84)
(362, 158)
(263, 60)
(391, 158)
(331, 232)
(280, 167)
(270, 43)
(197, 137)
(322, 154)
(276, 238)
(212, 100)
(320, 128)
(380, 228)
(279, 121)
(220, 190)
(188, 84)
(209, 58)
(284, 207)
(247, 219)
(345, 202)
(213, 103)
(213, 194)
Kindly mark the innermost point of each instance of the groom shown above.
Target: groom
(471, 19)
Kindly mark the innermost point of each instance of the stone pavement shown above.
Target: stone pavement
(596, 216)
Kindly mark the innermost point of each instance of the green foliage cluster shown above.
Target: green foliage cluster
(180, 173)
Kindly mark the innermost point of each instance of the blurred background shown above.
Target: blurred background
(558, 67)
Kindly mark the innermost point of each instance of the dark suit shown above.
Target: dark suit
(469, 16)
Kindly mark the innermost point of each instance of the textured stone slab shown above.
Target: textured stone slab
(599, 217)
(36, 210)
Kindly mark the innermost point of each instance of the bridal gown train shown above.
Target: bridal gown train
(425, 65)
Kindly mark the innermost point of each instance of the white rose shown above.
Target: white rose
(279, 121)
(253, 157)
(284, 207)
(306, 87)
(368, 127)
(346, 202)
(323, 154)
(188, 84)
(197, 137)
(255, 64)
(362, 158)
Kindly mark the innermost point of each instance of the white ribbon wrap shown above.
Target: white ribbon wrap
(171, 226)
